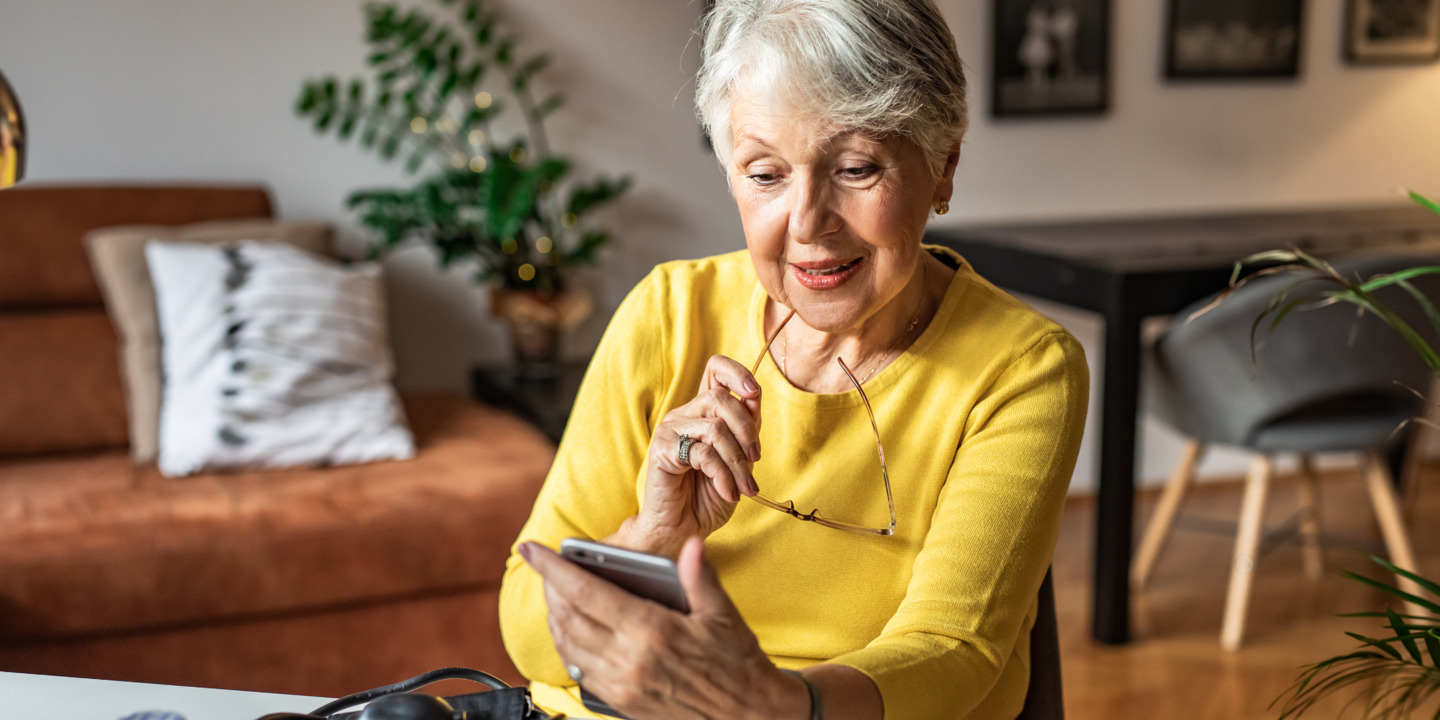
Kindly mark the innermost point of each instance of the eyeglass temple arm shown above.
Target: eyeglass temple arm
(870, 413)
(889, 497)
(755, 366)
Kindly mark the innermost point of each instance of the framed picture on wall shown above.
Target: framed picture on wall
(1051, 57)
(1392, 31)
(1233, 39)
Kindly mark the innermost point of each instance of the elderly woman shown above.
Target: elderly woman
(910, 589)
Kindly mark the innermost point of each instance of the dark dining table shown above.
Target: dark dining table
(1130, 269)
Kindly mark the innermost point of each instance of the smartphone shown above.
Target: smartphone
(649, 576)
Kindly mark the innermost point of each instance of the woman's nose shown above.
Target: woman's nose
(812, 216)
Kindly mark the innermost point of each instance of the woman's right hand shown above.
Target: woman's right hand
(684, 500)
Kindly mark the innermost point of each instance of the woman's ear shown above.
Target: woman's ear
(946, 186)
(952, 159)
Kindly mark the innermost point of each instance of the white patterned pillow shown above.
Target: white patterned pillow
(273, 357)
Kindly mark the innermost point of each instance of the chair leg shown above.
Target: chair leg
(1387, 514)
(1412, 468)
(1410, 487)
(1247, 546)
(1157, 531)
(1310, 519)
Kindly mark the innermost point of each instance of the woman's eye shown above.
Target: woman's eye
(762, 179)
(859, 172)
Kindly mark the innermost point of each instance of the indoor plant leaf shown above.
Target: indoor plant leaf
(1401, 594)
(1428, 585)
(549, 105)
(1425, 202)
(1404, 636)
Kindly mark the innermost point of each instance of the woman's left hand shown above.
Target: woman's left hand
(649, 661)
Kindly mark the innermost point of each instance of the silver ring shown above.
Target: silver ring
(575, 672)
(685, 442)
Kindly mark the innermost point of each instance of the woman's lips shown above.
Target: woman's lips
(825, 275)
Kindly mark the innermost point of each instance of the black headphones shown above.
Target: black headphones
(397, 702)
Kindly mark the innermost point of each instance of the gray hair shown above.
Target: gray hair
(887, 67)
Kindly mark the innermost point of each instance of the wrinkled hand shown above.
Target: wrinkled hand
(696, 499)
(648, 661)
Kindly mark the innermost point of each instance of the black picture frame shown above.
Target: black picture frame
(1388, 32)
(1224, 39)
(1050, 57)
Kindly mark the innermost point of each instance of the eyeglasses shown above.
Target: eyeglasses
(788, 507)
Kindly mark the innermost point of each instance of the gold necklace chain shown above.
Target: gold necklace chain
(910, 327)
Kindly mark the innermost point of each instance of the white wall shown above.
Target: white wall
(202, 90)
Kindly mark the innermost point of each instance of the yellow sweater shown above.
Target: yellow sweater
(981, 420)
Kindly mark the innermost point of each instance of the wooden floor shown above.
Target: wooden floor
(1175, 667)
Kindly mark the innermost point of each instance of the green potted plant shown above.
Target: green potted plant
(506, 208)
(1399, 672)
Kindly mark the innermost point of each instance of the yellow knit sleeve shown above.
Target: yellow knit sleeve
(972, 593)
(591, 488)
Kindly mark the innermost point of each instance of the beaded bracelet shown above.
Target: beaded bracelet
(816, 711)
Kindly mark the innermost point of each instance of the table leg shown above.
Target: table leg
(1116, 493)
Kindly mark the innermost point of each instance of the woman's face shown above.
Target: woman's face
(832, 219)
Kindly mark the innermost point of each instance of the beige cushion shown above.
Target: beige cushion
(117, 256)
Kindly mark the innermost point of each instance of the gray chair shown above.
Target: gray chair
(1324, 380)
(1045, 698)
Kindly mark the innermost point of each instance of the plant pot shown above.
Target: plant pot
(537, 322)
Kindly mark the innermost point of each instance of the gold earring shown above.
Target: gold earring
(942, 207)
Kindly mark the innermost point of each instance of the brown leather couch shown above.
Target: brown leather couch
(92, 545)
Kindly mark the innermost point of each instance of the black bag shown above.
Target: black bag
(397, 702)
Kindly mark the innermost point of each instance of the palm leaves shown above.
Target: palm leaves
(1359, 292)
(504, 206)
(1399, 673)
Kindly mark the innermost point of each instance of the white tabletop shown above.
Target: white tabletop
(47, 697)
